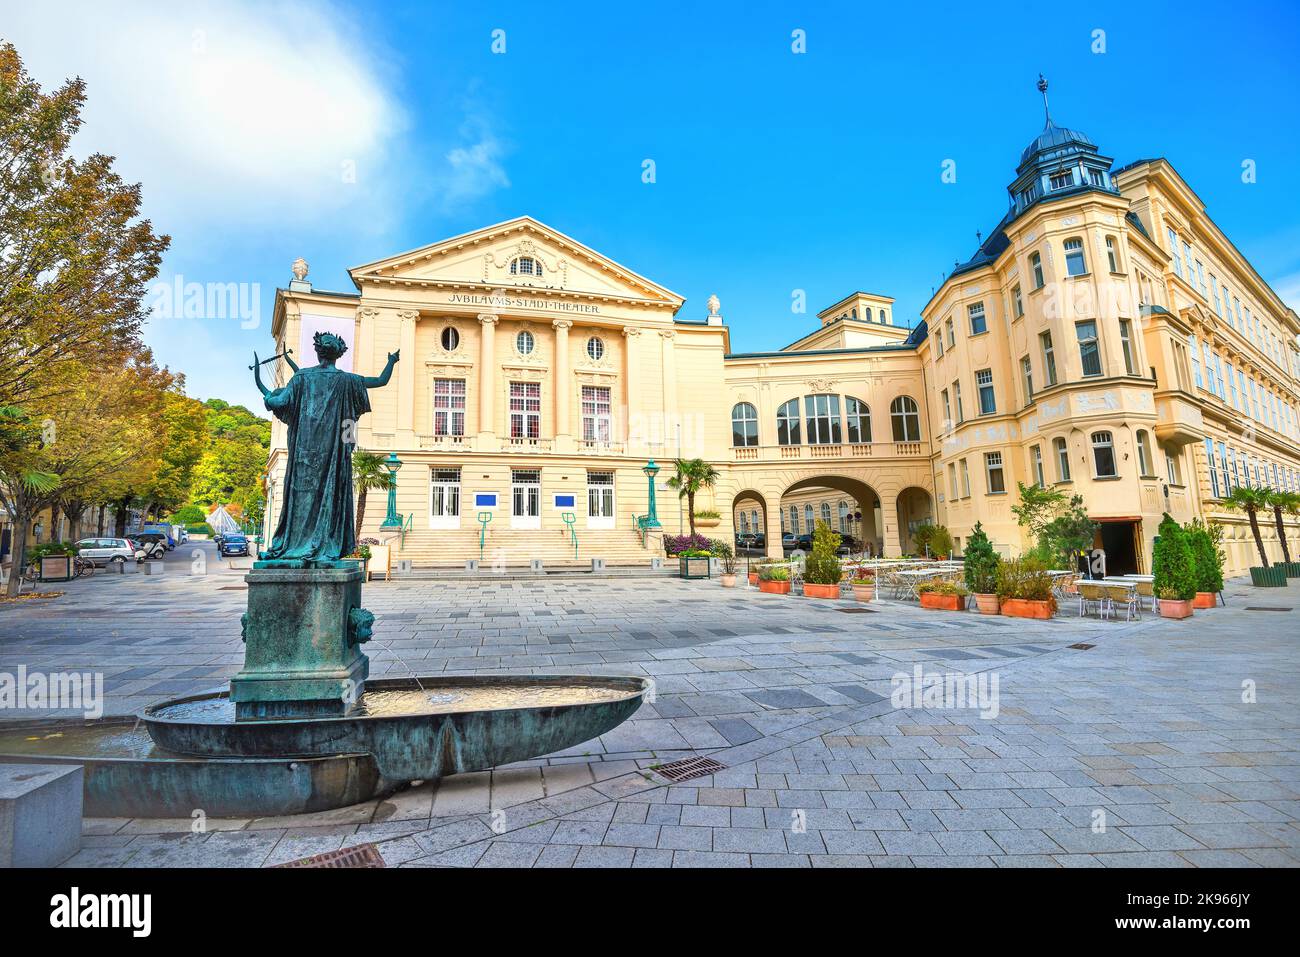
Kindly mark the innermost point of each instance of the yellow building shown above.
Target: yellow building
(1106, 338)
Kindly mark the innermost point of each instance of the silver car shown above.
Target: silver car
(102, 551)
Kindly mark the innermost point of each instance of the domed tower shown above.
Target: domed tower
(1057, 162)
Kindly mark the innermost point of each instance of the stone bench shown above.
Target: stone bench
(40, 814)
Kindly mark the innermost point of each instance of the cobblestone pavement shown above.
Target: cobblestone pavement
(1167, 743)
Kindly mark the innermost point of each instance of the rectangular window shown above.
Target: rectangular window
(948, 332)
(1126, 345)
(1062, 460)
(1187, 261)
(984, 386)
(1214, 295)
(1062, 180)
(965, 479)
(1232, 388)
(1027, 377)
(444, 498)
(1017, 303)
(595, 414)
(947, 409)
(938, 345)
(1215, 489)
(448, 407)
(1089, 351)
(952, 479)
(975, 312)
(1194, 351)
(956, 391)
(1112, 257)
(1200, 277)
(1049, 358)
(526, 498)
(525, 411)
(1037, 456)
(993, 473)
(600, 499)
(1036, 264)
(1173, 252)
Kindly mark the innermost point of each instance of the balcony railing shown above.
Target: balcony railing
(447, 443)
(856, 450)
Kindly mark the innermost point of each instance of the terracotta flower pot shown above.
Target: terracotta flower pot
(774, 588)
(707, 522)
(930, 599)
(1175, 609)
(753, 578)
(864, 592)
(1024, 608)
(1203, 599)
(987, 604)
(728, 581)
(820, 591)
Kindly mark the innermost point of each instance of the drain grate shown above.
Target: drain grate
(688, 768)
(1081, 646)
(1265, 608)
(363, 855)
(857, 611)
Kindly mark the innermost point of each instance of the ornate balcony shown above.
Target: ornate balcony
(761, 453)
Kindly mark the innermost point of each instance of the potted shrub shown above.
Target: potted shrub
(707, 518)
(1207, 560)
(864, 584)
(1252, 501)
(943, 596)
(727, 558)
(822, 570)
(694, 562)
(774, 579)
(980, 571)
(1025, 589)
(1174, 570)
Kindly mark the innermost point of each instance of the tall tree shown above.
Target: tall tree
(75, 259)
(1288, 502)
(1250, 500)
(693, 476)
(368, 472)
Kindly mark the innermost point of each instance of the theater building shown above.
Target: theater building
(1105, 338)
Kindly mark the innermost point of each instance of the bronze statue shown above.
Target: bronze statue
(321, 405)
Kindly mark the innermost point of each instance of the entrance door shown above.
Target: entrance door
(1119, 538)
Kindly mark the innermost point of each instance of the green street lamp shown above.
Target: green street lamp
(652, 518)
(392, 519)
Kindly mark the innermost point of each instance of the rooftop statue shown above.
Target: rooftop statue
(321, 405)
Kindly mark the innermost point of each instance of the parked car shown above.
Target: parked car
(787, 541)
(745, 540)
(154, 544)
(166, 531)
(760, 540)
(103, 551)
(234, 545)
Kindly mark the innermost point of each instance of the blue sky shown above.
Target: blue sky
(345, 132)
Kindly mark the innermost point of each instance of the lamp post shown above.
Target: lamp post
(651, 470)
(392, 519)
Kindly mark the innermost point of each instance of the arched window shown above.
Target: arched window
(794, 520)
(823, 415)
(906, 419)
(826, 513)
(808, 518)
(1145, 462)
(868, 313)
(525, 266)
(1062, 460)
(744, 425)
(1103, 454)
(787, 423)
(754, 521)
(858, 419)
(1075, 265)
(844, 517)
(744, 524)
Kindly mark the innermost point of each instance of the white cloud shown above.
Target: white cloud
(1288, 288)
(476, 169)
(266, 105)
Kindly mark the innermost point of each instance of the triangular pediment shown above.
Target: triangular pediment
(520, 254)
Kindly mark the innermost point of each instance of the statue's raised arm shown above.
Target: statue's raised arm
(376, 382)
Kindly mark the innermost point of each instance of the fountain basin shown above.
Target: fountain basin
(128, 775)
(414, 728)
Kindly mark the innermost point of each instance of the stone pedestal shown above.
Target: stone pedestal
(302, 634)
(40, 814)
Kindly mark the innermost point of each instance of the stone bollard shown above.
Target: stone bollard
(598, 564)
(471, 565)
(40, 813)
(153, 568)
(536, 565)
(656, 564)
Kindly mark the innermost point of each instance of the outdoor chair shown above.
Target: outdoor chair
(1125, 595)
(1090, 594)
(1147, 592)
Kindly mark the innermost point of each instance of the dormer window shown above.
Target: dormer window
(1062, 179)
(525, 266)
(1097, 178)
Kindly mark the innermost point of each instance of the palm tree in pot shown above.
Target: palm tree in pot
(1288, 502)
(368, 472)
(693, 476)
(1252, 501)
